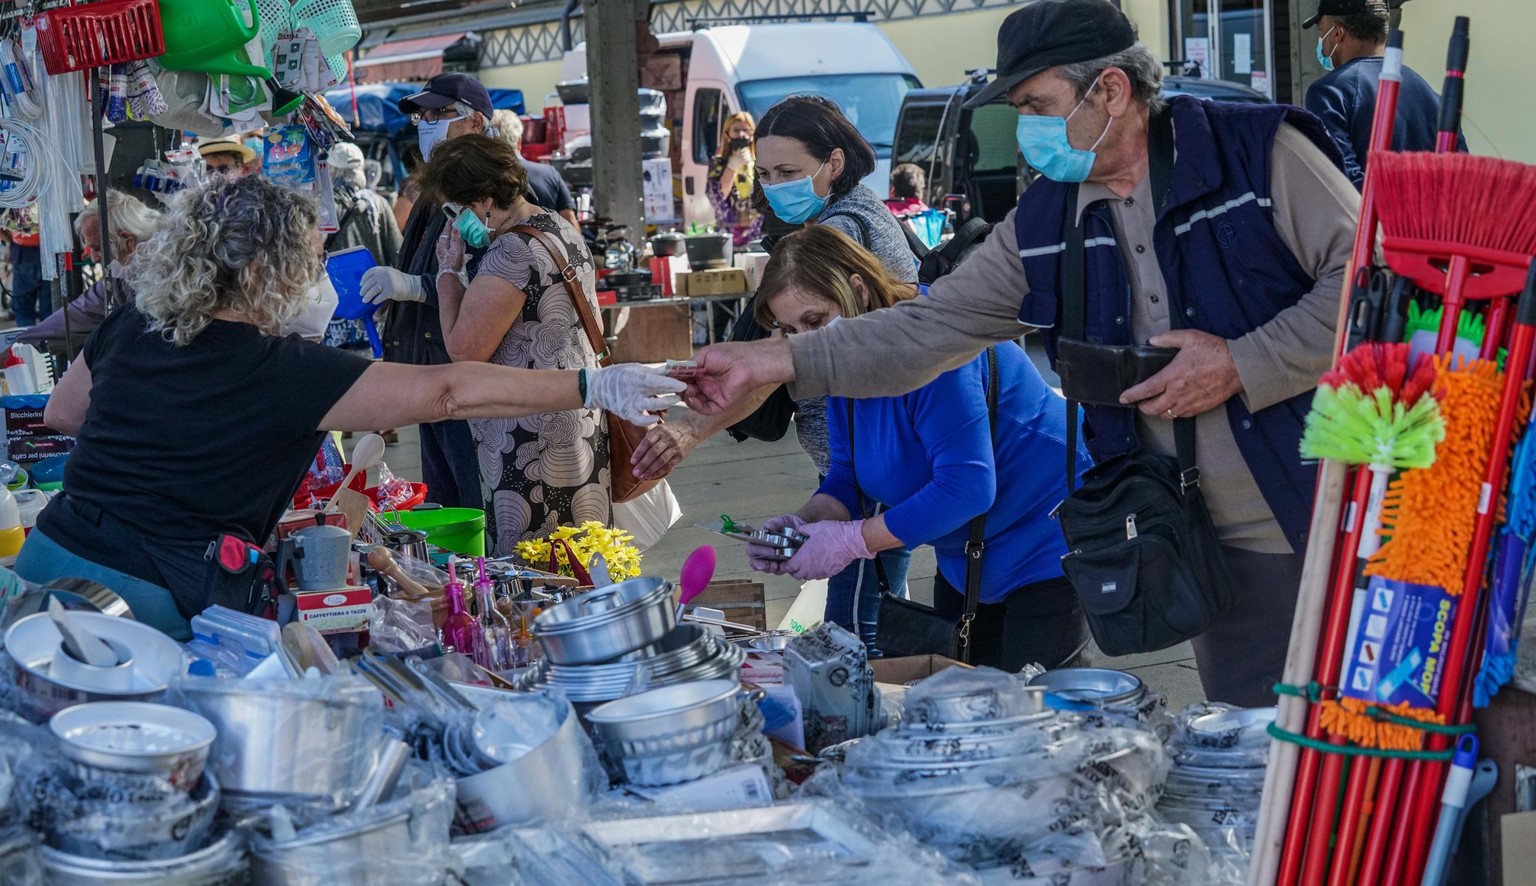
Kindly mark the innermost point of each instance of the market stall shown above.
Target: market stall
(413, 714)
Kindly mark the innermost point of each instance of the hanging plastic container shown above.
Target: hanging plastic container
(107, 32)
(210, 36)
(334, 22)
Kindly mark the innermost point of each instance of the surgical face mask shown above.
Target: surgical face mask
(1046, 146)
(1325, 60)
(430, 135)
(319, 307)
(476, 233)
(796, 201)
(737, 144)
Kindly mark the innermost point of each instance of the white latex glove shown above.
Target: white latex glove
(632, 392)
(383, 284)
(760, 557)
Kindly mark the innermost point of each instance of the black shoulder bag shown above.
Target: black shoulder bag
(1143, 554)
(907, 628)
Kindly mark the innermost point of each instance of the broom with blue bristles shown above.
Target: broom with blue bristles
(1512, 574)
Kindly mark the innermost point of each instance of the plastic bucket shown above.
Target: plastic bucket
(461, 530)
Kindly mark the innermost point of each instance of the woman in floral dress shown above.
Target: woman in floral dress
(542, 471)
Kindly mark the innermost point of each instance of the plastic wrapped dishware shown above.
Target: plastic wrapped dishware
(403, 842)
(962, 699)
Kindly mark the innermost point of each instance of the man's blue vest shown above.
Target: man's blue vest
(1225, 267)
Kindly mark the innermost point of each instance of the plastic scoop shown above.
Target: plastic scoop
(79, 643)
(698, 569)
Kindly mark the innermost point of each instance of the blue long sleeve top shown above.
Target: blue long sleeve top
(928, 456)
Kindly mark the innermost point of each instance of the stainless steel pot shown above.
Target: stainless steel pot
(221, 864)
(289, 738)
(408, 542)
(605, 624)
(403, 843)
(1091, 687)
(546, 783)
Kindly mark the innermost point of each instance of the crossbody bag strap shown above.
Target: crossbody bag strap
(1074, 313)
(568, 275)
(1160, 154)
(976, 546)
(881, 579)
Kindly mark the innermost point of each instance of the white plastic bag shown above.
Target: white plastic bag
(648, 517)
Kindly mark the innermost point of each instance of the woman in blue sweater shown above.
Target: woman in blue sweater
(930, 458)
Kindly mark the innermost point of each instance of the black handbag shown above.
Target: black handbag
(1143, 554)
(907, 628)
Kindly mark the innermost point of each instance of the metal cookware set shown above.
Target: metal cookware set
(1219, 758)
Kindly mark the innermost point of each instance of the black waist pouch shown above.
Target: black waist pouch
(1143, 554)
(228, 571)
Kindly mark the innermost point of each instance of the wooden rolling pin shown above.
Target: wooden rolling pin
(383, 562)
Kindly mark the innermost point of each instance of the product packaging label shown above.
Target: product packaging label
(1400, 651)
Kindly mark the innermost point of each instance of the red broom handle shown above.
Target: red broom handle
(1382, 825)
(1381, 140)
(1452, 94)
(1350, 821)
(1329, 663)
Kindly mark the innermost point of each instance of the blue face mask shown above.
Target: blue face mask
(796, 201)
(1046, 146)
(476, 234)
(1325, 60)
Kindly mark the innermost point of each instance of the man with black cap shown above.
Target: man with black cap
(450, 105)
(1246, 243)
(1351, 44)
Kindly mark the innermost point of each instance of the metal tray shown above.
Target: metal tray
(810, 841)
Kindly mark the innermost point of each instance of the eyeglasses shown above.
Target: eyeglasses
(436, 115)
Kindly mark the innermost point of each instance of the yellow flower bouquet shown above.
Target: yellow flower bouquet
(583, 542)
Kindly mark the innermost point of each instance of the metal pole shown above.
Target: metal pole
(613, 75)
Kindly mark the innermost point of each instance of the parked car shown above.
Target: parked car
(972, 158)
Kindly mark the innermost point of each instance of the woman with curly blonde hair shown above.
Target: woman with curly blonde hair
(196, 418)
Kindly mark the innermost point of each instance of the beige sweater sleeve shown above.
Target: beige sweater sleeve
(900, 349)
(1315, 212)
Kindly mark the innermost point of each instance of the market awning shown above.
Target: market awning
(415, 59)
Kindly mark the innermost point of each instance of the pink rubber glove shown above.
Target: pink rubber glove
(831, 547)
(757, 555)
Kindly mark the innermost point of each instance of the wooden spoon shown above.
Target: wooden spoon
(383, 562)
(366, 455)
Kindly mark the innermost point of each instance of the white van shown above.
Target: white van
(751, 67)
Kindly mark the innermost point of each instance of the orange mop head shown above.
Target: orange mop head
(1429, 516)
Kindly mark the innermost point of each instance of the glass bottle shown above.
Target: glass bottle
(461, 630)
(493, 623)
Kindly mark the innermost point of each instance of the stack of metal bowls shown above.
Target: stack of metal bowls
(621, 639)
(671, 735)
(134, 792)
(1114, 693)
(1219, 757)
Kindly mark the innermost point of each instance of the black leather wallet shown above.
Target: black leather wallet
(1097, 374)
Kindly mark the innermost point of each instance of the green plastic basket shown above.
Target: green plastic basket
(461, 530)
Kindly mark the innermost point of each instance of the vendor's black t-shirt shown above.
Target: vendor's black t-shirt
(547, 189)
(183, 443)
